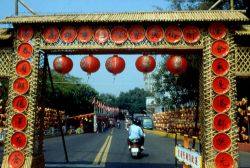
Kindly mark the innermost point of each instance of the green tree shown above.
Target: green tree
(181, 91)
(4, 84)
(108, 99)
(70, 95)
(200, 5)
(184, 91)
(133, 100)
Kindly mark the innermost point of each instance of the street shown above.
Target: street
(90, 150)
(109, 149)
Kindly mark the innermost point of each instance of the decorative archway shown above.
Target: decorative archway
(208, 32)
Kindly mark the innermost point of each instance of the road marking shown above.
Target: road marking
(99, 161)
(102, 155)
(98, 156)
(105, 154)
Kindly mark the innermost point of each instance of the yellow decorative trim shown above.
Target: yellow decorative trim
(6, 34)
(244, 31)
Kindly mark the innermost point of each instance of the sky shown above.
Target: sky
(102, 80)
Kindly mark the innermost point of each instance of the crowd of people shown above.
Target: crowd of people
(103, 125)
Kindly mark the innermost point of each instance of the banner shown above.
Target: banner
(188, 156)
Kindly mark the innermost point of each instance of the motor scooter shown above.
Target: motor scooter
(118, 125)
(135, 148)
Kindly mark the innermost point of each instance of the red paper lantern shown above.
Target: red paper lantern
(90, 64)
(115, 64)
(176, 64)
(62, 64)
(145, 63)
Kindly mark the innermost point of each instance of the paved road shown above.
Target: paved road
(84, 149)
(109, 149)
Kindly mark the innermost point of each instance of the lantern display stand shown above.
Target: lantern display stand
(242, 120)
(83, 123)
(50, 117)
(179, 121)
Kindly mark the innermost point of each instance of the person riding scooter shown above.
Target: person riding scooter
(118, 123)
(136, 132)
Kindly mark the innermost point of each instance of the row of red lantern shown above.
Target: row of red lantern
(100, 105)
(175, 64)
(82, 116)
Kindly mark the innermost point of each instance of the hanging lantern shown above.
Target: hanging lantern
(62, 64)
(145, 63)
(176, 64)
(115, 64)
(90, 64)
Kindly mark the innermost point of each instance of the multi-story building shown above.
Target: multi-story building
(151, 105)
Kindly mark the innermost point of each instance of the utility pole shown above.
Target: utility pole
(16, 7)
(215, 4)
(219, 1)
(25, 5)
(231, 4)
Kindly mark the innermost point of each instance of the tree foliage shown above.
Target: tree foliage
(70, 95)
(133, 100)
(109, 99)
(4, 85)
(75, 97)
(201, 5)
(181, 91)
(184, 91)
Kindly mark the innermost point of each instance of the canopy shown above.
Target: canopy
(170, 16)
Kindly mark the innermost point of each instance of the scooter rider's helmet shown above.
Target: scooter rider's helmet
(136, 122)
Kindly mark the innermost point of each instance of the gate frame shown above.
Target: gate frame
(202, 19)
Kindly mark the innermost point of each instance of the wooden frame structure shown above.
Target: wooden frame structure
(237, 56)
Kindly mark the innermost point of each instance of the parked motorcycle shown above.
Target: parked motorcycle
(135, 149)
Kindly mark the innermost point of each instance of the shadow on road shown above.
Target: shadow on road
(140, 165)
(108, 165)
